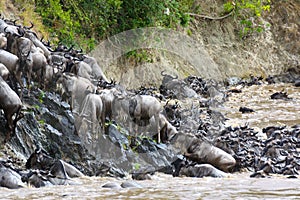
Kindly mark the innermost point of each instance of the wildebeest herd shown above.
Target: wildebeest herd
(96, 100)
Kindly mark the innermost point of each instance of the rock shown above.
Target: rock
(112, 185)
(130, 184)
(9, 178)
(297, 83)
(143, 173)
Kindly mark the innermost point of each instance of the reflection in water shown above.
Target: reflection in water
(237, 186)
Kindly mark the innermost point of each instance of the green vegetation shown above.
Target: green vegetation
(84, 23)
(248, 12)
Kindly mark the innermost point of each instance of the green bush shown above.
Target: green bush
(248, 12)
(85, 22)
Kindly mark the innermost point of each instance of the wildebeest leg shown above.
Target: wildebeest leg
(29, 79)
(9, 125)
(18, 116)
(158, 128)
(19, 80)
(13, 83)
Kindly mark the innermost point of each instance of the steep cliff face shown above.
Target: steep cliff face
(270, 52)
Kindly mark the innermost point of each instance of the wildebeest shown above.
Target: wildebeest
(11, 104)
(201, 151)
(140, 109)
(46, 171)
(3, 41)
(10, 27)
(96, 69)
(184, 167)
(36, 62)
(175, 88)
(4, 73)
(81, 69)
(75, 88)
(40, 159)
(167, 130)
(108, 98)
(11, 62)
(92, 111)
(33, 37)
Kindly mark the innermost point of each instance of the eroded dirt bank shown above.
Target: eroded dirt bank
(273, 51)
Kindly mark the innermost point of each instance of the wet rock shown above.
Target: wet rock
(112, 185)
(10, 178)
(297, 83)
(108, 169)
(143, 173)
(130, 184)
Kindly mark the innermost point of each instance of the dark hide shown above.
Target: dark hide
(57, 172)
(202, 151)
(132, 107)
(144, 119)
(36, 178)
(201, 170)
(39, 160)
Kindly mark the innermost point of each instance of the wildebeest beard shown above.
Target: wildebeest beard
(144, 120)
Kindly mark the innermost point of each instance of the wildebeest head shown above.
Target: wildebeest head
(167, 78)
(39, 160)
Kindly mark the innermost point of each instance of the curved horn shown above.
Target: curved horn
(21, 32)
(163, 73)
(5, 30)
(29, 27)
(66, 55)
(112, 82)
(176, 77)
(70, 48)
(15, 24)
(35, 35)
(47, 44)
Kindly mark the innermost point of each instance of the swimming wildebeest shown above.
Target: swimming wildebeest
(202, 152)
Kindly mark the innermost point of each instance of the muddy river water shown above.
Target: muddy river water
(235, 186)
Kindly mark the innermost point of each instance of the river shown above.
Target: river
(162, 186)
(235, 186)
